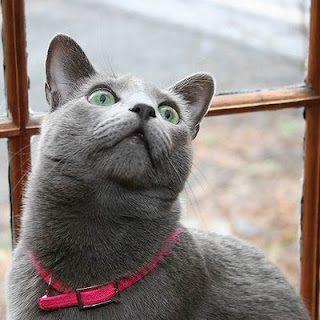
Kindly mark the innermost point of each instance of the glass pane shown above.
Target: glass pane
(3, 103)
(5, 231)
(246, 182)
(250, 44)
(34, 148)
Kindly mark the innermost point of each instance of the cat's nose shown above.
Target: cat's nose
(144, 111)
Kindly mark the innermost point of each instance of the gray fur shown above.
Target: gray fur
(98, 207)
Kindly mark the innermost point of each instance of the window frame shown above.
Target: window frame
(19, 126)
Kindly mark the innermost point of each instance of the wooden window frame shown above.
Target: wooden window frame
(19, 126)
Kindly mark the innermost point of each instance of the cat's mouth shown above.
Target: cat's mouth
(137, 137)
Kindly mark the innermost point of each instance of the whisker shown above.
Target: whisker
(19, 152)
(23, 176)
(200, 180)
(174, 168)
(192, 199)
(198, 212)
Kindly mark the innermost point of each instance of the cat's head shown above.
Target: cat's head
(119, 129)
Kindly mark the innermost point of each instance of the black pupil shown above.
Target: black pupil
(103, 98)
(167, 114)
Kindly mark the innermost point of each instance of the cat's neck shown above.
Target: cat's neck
(91, 235)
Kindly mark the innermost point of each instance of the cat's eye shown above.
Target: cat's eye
(169, 114)
(102, 98)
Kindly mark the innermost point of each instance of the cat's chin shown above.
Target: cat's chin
(133, 148)
(129, 161)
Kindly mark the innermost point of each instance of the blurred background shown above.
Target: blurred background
(246, 178)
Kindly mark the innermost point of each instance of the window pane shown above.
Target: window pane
(34, 148)
(249, 44)
(5, 231)
(246, 182)
(3, 104)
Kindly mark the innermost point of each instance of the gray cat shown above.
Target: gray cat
(101, 208)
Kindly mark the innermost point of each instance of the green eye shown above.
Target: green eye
(102, 98)
(169, 114)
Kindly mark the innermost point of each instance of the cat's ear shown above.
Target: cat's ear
(196, 91)
(66, 66)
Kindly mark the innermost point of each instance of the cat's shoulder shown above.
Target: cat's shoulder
(230, 256)
(242, 279)
(223, 247)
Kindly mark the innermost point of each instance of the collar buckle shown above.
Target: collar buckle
(83, 306)
(49, 287)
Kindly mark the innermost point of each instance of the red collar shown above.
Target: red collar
(98, 295)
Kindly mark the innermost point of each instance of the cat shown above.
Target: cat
(101, 207)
